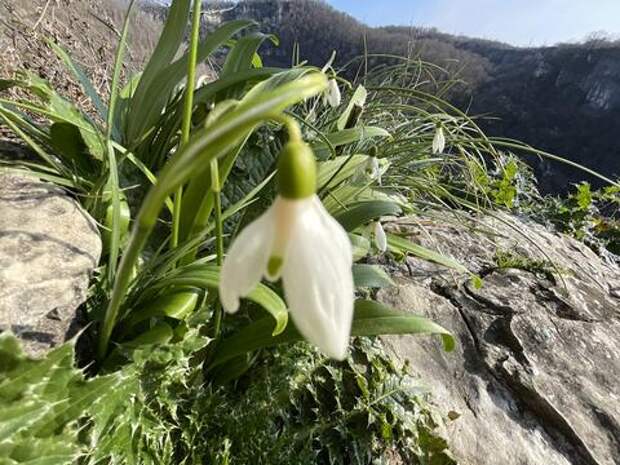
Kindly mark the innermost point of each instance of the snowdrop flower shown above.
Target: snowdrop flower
(332, 94)
(439, 141)
(374, 170)
(298, 240)
(380, 237)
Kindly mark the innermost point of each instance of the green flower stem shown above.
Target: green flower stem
(187, 113)
(219, 239)
(113, 181)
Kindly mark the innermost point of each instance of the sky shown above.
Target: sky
(518, 22)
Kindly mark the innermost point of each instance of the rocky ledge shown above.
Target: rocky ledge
(49, 248)
(535, 377)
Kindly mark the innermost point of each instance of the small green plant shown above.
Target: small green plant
(43, 402)
(506, 259)
(588, 215)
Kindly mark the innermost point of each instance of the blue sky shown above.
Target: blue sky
(519, 22)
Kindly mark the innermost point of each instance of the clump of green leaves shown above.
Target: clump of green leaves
(293, 406)
(506, 259)
(588, 215)
(43, 402)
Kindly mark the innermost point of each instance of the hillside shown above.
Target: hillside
(563, 99)
(88, 30)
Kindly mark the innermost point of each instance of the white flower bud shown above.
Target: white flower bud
(439, 141)
(332, 94)
(380, 237)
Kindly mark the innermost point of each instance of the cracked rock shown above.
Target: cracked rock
(49, 248)
(535, 373)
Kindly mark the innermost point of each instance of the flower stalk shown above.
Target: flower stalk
(188, 105)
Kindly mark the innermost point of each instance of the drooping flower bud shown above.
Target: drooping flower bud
(439, 141)
(373, 169)
(380, 237)
(332, 94)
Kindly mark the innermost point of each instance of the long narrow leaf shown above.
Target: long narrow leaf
(147, 105)
(208, 277)
(165, 50)
(79, 74)
(401, 245)
(370, 319)
(363, 212)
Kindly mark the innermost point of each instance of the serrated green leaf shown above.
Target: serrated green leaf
(19, 416)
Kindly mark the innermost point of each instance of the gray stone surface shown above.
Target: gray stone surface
(535, 379)
(49, 248)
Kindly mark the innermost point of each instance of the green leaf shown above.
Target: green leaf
(241, 56)
(208, 277)
(339, 169)
(347, 136)
(369, 319)
(57, 109)
(371, 276)
(148, 102)
(79, 74)
(373, 319)
(167, 46)
(44, 404)
(176, 305)
(358, 99)
(123, 223)
(362, 212)
(20, 416)
(361, 246)
(401, 245)
(159, 334)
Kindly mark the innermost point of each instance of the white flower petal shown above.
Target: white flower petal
(333, 93)
(439, 141)
(373, 168)
(246, 261)
(318, 283)
(380, 237)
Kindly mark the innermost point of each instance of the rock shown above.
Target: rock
(49, 248)
(535, 377)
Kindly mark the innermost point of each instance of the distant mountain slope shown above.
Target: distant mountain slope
(565, 99)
